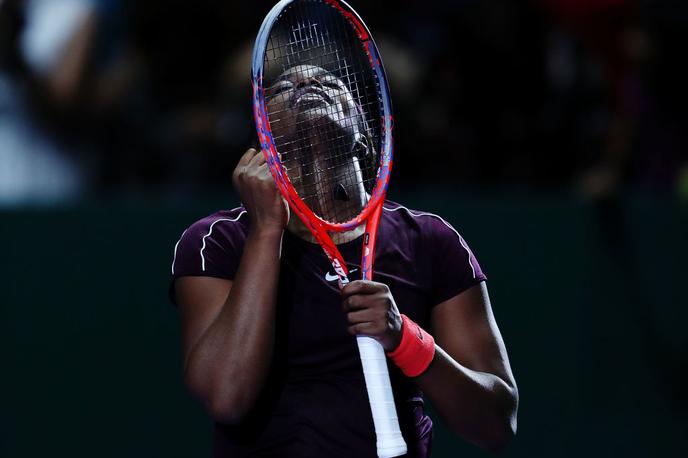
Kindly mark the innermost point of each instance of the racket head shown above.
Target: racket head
(312, 138)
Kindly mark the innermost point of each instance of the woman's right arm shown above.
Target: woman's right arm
(228, 326)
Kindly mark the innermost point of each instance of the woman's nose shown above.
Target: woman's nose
(309, 81)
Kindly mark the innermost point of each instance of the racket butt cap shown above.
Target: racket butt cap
(391, 448)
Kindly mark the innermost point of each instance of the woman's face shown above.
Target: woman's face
(306, 93)
(316, 124)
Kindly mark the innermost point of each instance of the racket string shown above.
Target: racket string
(333, 163)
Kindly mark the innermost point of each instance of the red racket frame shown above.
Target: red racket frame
(372, 211)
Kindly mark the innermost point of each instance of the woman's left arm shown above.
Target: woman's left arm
(469, 380)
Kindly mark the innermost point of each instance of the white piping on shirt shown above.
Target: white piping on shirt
(211, 231)
(174, 259)
(461, 240)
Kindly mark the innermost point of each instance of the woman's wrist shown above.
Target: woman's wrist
(266, 232)
(416, 349)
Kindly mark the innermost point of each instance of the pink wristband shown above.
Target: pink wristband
(416, 350)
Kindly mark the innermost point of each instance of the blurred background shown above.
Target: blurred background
(552, 133)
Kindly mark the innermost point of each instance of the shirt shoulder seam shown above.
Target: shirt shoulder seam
(210, 231)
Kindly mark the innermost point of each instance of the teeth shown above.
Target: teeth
(310, 98)
(311, 101)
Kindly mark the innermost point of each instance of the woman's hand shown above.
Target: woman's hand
(371, 311)
(267, 210)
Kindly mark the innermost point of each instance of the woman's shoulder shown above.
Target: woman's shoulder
(401, 217)
(206, 244)
(450, 262)
(220, 223)
(235, 215)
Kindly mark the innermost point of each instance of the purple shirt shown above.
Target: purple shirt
(314, 403)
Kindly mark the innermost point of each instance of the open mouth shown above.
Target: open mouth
(310, 101)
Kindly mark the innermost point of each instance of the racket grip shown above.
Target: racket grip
(390, 442)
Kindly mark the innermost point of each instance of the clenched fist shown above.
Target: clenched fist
(371, 311)
(267, 211)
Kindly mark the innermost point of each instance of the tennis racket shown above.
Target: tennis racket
(324, 120)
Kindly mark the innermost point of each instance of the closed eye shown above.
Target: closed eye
(332, 85)
(279, 88)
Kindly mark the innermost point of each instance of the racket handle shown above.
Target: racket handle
(390, 442)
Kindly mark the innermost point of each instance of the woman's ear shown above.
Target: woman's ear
(361, 147)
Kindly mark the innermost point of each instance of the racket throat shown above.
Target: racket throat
(341, 272)
(343, 281)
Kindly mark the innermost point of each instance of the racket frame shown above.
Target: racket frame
(390, 442)
(318, 226)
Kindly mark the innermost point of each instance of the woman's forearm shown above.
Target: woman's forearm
(478, 406)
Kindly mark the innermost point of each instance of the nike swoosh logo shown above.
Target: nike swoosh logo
(331, 277)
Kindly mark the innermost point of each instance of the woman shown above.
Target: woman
(268, 338)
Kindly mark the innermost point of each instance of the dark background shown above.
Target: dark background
(551, 133)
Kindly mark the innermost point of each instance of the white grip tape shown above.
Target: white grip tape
(390, 442)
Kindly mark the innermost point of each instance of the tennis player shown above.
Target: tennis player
(268, 337)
